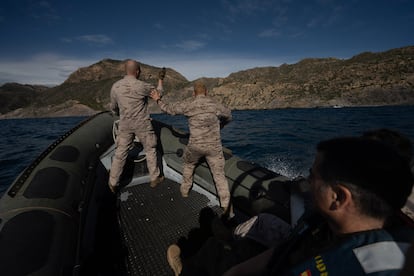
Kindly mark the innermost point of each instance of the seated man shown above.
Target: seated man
(357, 184)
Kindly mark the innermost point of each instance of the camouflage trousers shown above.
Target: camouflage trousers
(215, 160)
(124, 141)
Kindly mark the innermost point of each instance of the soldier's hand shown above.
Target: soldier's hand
(161, 73)
(155, 95)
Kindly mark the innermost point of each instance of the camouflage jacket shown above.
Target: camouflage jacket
(205, 116)
(129, 97)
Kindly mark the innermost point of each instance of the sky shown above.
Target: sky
(43, 42)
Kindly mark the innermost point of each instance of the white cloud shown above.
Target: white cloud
(45, 69)
(314, 22)
(269, 33)
(43, 10)
(247, 7)
(66, 39)
(98, 39)
(95, 38)
(158, 26)
(190, 45)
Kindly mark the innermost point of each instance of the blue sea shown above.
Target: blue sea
(282, 140)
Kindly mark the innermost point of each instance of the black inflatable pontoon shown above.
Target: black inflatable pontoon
(59, 217)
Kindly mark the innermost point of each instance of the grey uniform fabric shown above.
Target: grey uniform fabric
(204, 119)
(129, 97)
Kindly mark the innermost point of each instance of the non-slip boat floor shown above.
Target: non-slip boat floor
(153, 218)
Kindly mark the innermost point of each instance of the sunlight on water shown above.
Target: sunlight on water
(283, 167)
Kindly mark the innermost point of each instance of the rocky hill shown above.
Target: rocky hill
(367, 79)
(385, 78)
(15, 96)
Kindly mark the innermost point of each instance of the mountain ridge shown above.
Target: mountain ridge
(366, 79)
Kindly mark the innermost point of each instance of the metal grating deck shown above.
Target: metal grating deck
(153, 218)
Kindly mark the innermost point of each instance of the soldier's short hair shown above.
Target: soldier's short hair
(131, 66)
(393, 138)
(369, 164)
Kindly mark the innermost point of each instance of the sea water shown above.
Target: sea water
(282, 140)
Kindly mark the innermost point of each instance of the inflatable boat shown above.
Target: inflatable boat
(59, 217)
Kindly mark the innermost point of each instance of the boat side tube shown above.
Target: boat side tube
(40, 212)
(254, 189)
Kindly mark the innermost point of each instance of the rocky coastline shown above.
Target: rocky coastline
(367, 79)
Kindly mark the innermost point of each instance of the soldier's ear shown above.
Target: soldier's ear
(342, 196)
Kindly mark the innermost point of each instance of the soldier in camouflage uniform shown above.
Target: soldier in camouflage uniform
(129, 98)
(205, 117)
